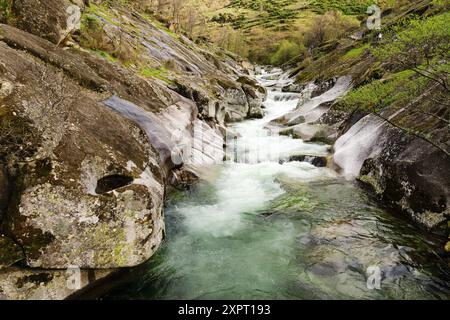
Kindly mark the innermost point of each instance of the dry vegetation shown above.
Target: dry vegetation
(265, 31)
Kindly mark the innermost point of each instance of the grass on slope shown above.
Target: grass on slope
(265, 25)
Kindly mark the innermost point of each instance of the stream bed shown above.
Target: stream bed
(264, 227)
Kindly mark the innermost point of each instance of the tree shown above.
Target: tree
(286, 51)
(423, 47)
(330, 26)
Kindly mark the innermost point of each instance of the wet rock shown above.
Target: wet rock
(232, 101)
(311, 109)
(339, 232)
(295, 87)
(323, 86)
(237, 105)
(316, 161)
(183, 179)
(352, 149)
(254, 100)
(310, 132)
(286, 97)
(395, 272)
(397, 167)
(340, 246)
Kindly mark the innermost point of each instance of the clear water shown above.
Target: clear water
(265, 230)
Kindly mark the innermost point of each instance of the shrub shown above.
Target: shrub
(286, 51)
(330, 26)
(5, 10)
(348, 7)
(356, 52)
(423, 45)
(377, 95)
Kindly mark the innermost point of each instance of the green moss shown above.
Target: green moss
(102, 11)
(157, 73)
(373, 182)
(356, 52)
(121, 249)
(103, 236)
(89, 22)
(94, 38)
(294, 201)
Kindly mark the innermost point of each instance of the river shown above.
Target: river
(264, 227)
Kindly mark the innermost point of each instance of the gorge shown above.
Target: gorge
(262, 228)
(137, 163)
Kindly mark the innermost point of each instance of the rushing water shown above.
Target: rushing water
(269, 229)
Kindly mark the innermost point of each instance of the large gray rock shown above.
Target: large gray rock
(47, 19)
(89, 176)
(310, 108)
(255, 100)
(413, 175)
(405, 171)
(232, 101)
(87, 179)
(88, 185)
(237, 105)
(310, 132)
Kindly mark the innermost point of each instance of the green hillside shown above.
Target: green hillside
(265, 25)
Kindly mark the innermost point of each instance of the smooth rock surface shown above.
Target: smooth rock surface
(398, 168)
(47, 19)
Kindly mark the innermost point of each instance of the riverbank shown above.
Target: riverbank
(99, 123)
(261, 228)
(83, 174)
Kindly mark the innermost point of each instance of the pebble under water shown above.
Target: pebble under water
(270, 229)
